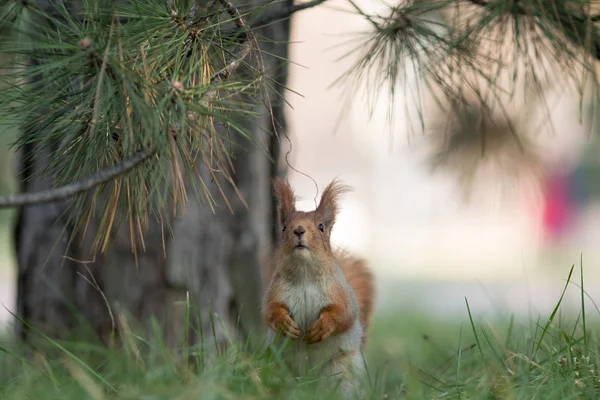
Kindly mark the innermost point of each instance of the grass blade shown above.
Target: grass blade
(475, 333)
(585, 343)
(556, 308)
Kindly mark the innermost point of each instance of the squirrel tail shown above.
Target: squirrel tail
(361, 279)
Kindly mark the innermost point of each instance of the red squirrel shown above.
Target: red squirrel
(320, 299)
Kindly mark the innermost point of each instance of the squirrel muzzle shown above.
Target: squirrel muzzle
(299, 238)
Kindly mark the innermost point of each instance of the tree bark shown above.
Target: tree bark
(217, 260)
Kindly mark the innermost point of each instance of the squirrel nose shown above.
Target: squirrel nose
(299, 231)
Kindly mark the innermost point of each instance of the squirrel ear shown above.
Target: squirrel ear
(285, 199)
(328, 207)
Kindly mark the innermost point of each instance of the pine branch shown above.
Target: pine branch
(107, 174)
(240, 53)
(285, 13)
(566, 20)
(100, 177)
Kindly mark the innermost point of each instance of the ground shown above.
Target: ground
(409, 355)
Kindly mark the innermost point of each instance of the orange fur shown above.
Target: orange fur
(285, 198)
(361, 279)
(328, 206)
(335, 318)
(279, 320)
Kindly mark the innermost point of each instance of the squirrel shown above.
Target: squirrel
(320, 299)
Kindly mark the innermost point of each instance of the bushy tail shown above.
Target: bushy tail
(361, 279)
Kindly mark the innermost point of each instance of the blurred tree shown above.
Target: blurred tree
(125, 107)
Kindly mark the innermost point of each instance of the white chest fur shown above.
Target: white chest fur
(305, 303)
(305, 300)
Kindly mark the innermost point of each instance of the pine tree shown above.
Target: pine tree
(131, 112)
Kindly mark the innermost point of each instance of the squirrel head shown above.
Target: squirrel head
(307, 234)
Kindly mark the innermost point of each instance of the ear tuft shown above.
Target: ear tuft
(285, 199)
(328, 207)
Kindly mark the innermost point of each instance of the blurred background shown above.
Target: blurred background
(507, 246)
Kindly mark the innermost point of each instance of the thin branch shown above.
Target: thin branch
(235, 14)
(298, 7)
(234, 62)
(100, 177)
(239, 54)
(364, 14)
(285, 13)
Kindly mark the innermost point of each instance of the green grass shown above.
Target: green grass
(409, 356)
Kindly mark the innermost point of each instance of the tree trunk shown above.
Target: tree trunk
(214, 259)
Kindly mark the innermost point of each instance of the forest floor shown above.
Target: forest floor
(416, 355)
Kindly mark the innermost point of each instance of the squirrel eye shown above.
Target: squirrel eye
(321, 227)
(283, 228)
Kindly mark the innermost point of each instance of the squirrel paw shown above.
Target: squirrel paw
(286, 326)
(319, 330)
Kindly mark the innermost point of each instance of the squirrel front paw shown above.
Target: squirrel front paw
(320, 330)
(282, 323)
(287, 327)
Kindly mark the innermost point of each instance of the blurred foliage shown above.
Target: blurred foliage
(475, 75)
